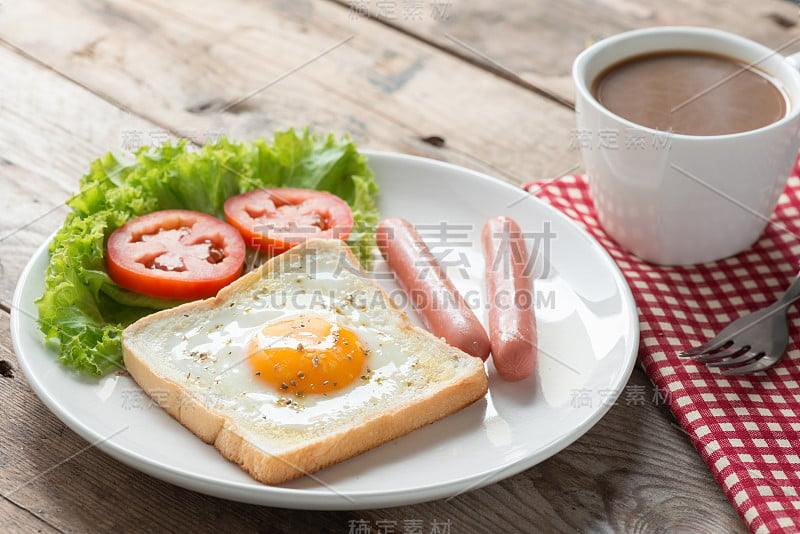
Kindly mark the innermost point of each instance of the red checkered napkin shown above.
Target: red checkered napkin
(747, 429)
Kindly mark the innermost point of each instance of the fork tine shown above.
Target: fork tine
(761, 338)
(727, 352)
(741, 359)
(760, 364)
(714, 344)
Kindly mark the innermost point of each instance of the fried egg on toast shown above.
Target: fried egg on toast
(299, 364)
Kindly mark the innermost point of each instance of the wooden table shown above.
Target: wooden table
(474, 83)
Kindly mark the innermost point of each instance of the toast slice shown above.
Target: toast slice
(193, 361)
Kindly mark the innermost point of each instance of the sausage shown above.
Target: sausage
(443, 309)
(509, 292)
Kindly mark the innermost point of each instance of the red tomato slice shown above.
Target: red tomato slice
(277, 219)
(175, 254)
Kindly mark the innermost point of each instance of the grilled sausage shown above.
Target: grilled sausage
(444, 310)
(509, 286)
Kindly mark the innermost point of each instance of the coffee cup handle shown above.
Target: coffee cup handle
(794, 60)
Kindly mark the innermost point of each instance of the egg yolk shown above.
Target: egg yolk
(306, 355)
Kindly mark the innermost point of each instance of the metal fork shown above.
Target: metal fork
(753, 342)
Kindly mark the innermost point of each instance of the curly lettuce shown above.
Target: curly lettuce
(82, 312)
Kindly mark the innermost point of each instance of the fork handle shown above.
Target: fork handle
(791, 294)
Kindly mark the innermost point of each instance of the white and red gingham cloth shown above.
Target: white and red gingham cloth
(747, 429)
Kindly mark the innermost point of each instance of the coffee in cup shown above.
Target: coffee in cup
(691, 93)
(690, 169)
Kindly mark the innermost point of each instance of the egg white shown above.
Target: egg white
(212, 356)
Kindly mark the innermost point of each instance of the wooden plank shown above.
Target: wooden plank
(517, 39)
(634, 471)
(14, 520)
(305, 64)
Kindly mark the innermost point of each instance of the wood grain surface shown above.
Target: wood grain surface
(514, 39)
(348, 75)
(92, 76)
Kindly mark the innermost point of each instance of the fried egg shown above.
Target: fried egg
(305, 348)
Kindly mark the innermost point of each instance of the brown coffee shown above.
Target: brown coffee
(691, 93)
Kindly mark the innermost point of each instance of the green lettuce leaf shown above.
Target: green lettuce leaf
(82, 312)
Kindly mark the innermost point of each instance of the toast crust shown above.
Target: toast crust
(272, 467)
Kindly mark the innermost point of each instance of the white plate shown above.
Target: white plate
(588, 332)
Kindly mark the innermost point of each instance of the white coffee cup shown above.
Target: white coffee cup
(677, 199)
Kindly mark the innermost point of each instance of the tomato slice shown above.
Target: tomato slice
(277, 219)
(175, 254)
